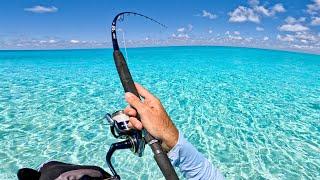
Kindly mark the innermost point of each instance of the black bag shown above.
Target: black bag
(55, 170)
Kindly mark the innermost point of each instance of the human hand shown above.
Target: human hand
(153, 117)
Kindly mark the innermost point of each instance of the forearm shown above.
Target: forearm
(192, 164)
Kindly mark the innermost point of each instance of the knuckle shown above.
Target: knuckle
(138, 125)
(157, 100)
(132, 99)
(143, 110)
(126, 110)
(134, 123)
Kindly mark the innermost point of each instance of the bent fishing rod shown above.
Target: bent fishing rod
(134, 139)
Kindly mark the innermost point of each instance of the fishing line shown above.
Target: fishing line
(120, 18)
(124, 44)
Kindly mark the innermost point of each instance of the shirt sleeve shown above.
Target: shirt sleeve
(192, 164)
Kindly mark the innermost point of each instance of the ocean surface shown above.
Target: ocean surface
(254, 113)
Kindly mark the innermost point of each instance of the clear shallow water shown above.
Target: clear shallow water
(253, 113)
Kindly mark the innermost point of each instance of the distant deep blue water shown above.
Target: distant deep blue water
(254, 113)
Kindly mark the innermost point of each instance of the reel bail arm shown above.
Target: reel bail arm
(127, 144)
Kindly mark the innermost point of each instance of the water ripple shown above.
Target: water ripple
(254, 113)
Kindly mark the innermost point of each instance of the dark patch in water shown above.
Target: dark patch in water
(315, 106)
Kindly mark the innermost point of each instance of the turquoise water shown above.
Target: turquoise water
(253, 113)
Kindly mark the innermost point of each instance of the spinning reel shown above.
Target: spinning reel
(134, 141)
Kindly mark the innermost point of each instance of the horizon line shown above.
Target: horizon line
(229, 46)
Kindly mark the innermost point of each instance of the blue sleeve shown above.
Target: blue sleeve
(192, 164)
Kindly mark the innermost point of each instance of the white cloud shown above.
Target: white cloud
(52, 41)
(278, 8)
(314, 8)
(46, 42)
(236, 32)
(293, 27)
(73, 41)
(259, 28)
(306, 46)
(208, 14)
(253, 2)
(42, 9)
(189, 28)
(266, 38)
(315, 21)
(292, 20)
(243, 14)
(302, 37)
(287, 38)
(182, 33)
(183, 36)
(210, 31)
(249, 39)
(254, 12)
(181, 29)
(262, 10)
(302, 46)
(304, 41)
(235, 37)
(306, 36)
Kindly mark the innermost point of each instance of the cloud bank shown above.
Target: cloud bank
(254, 12)
(42, 9)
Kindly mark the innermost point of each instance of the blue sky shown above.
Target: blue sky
(60, 24)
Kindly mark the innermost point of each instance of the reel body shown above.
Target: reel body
(133, 139)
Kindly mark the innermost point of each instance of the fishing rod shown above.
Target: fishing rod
(134, 139)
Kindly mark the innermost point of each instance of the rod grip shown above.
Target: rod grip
(124, 73)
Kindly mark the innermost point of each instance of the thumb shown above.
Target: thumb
(134, 101)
